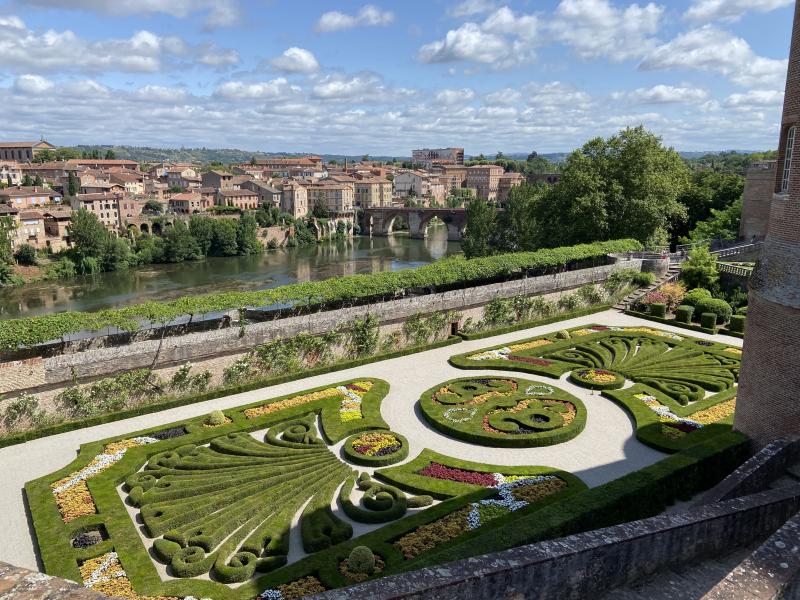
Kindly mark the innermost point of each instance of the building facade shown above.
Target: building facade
(23, 151)
(373, 192)
(767, 406)
(29, 197)
(759, 187)
(104, 206)
(485, 180)
(335, 197)
(428, 157)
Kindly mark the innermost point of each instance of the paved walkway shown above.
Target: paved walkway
(604, 451)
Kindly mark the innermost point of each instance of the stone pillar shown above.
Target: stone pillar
(768, 404)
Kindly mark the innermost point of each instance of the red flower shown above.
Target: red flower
(533, 361)
(437, 471)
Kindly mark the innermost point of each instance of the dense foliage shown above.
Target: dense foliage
(448, 272)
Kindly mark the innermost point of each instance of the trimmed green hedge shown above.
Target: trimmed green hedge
(737, 323)
(31, 331)
(375, 461)
(215, 393)
(673, 322)
(644, 493)
(658, 309)
(536, 323)
(708, 320)
(683, 314)
(541, 423)
(578, 378)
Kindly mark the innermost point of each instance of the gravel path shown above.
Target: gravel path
(604, 451)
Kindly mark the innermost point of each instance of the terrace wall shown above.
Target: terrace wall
(56, 365)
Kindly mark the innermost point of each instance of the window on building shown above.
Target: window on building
(787, 161)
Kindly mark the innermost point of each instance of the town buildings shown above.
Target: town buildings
(373, 192)
(485, 180)
(23, 151)
(10, 172)
(428, 157)
(29, 197)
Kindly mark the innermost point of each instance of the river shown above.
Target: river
(271, 269)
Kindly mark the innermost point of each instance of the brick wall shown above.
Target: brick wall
(758, 190)
(768, 405)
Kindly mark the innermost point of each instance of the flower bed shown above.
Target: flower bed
(105, 574)
(503, 412)
(72, 494)
(597, 379)
(376, 448)
(349, 408)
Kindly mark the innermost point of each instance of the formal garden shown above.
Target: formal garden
(311, 491)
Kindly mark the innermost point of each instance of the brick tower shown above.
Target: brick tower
(768, 404)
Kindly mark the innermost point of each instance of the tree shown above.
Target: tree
(88, 235)
(179, 244)
(202, 230)
(224, 242)
(111, 155)
(37, 181)
(26, 180)
(116, 254)
(518, 225)
(253, 161)
(7, 232)
(722, 224)
(320, 211)
(700, 269)
(499, 155)
(481, 229)
(247, 235)
(26, 255)
(154, 206)
(72, 184)
(624, 187)
(708, 190)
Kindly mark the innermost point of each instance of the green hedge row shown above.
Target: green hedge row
(549, 432)
(649, 427)
(382, 503)
(220, 392)
(31, 331)
(644, 493)
(536, 323)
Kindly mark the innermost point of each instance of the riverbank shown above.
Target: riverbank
(238, 273)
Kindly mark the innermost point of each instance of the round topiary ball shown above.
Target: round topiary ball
(563, 335)
(361, 560)
(215, 418)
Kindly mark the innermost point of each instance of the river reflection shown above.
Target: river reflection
(273, 268)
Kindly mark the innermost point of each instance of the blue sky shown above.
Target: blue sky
(385, 77)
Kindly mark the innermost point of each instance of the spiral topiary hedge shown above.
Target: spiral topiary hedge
(375, 448)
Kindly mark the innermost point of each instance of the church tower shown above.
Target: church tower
(768, 403)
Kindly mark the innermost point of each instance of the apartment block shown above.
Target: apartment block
(485, 180)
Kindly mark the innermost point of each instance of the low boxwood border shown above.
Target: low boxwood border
(475, 434)
(638, 495)
(576, 378)
(648, 425)
(691, 326)
(215, 393)
(375, 461)
(535, 323)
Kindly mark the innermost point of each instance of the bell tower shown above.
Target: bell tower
(768, 403)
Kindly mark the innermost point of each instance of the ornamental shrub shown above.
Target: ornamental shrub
(420, 501)
(658, 309)
(683, 314)
(719, 307)
(361, 560)
(742, 310)
(708, 320)
(26, 255)
(694, 296)
(215, 418)
(563, 335)
(654, 297)
(674, 294)
(644, 279)
(737, 323)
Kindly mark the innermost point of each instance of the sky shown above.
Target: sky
(383, 78)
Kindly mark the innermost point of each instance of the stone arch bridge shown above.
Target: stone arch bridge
(378, 222)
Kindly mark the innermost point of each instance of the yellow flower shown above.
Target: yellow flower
(731, 350)
(529, 345)
(252, 413)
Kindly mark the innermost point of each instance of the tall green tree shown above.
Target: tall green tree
(202, 229)
(481, 229)
(723, 224)
(88, 235)
(519, 226)
(247, 235)
(700, 269)
(708, 191)
(626, 186)
(72, 184)
(179, 244)
(111, 155)
(224, 242)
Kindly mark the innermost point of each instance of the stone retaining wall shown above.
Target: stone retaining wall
(92, 358)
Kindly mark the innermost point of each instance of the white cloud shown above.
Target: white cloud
(220, 13)
(505, 96)
(468, 8)
(713, 50)
(367, 16)
(343, 87)
(144, 52)
(264, 90)
(596, 28)
(705, 11)
(33, 84)
(756, 98)
(219, 57)
(470, 43)
(663, 94)
(449, 97)
(157, 93)
(296, 60)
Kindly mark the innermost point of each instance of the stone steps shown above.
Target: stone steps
(641, 292)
